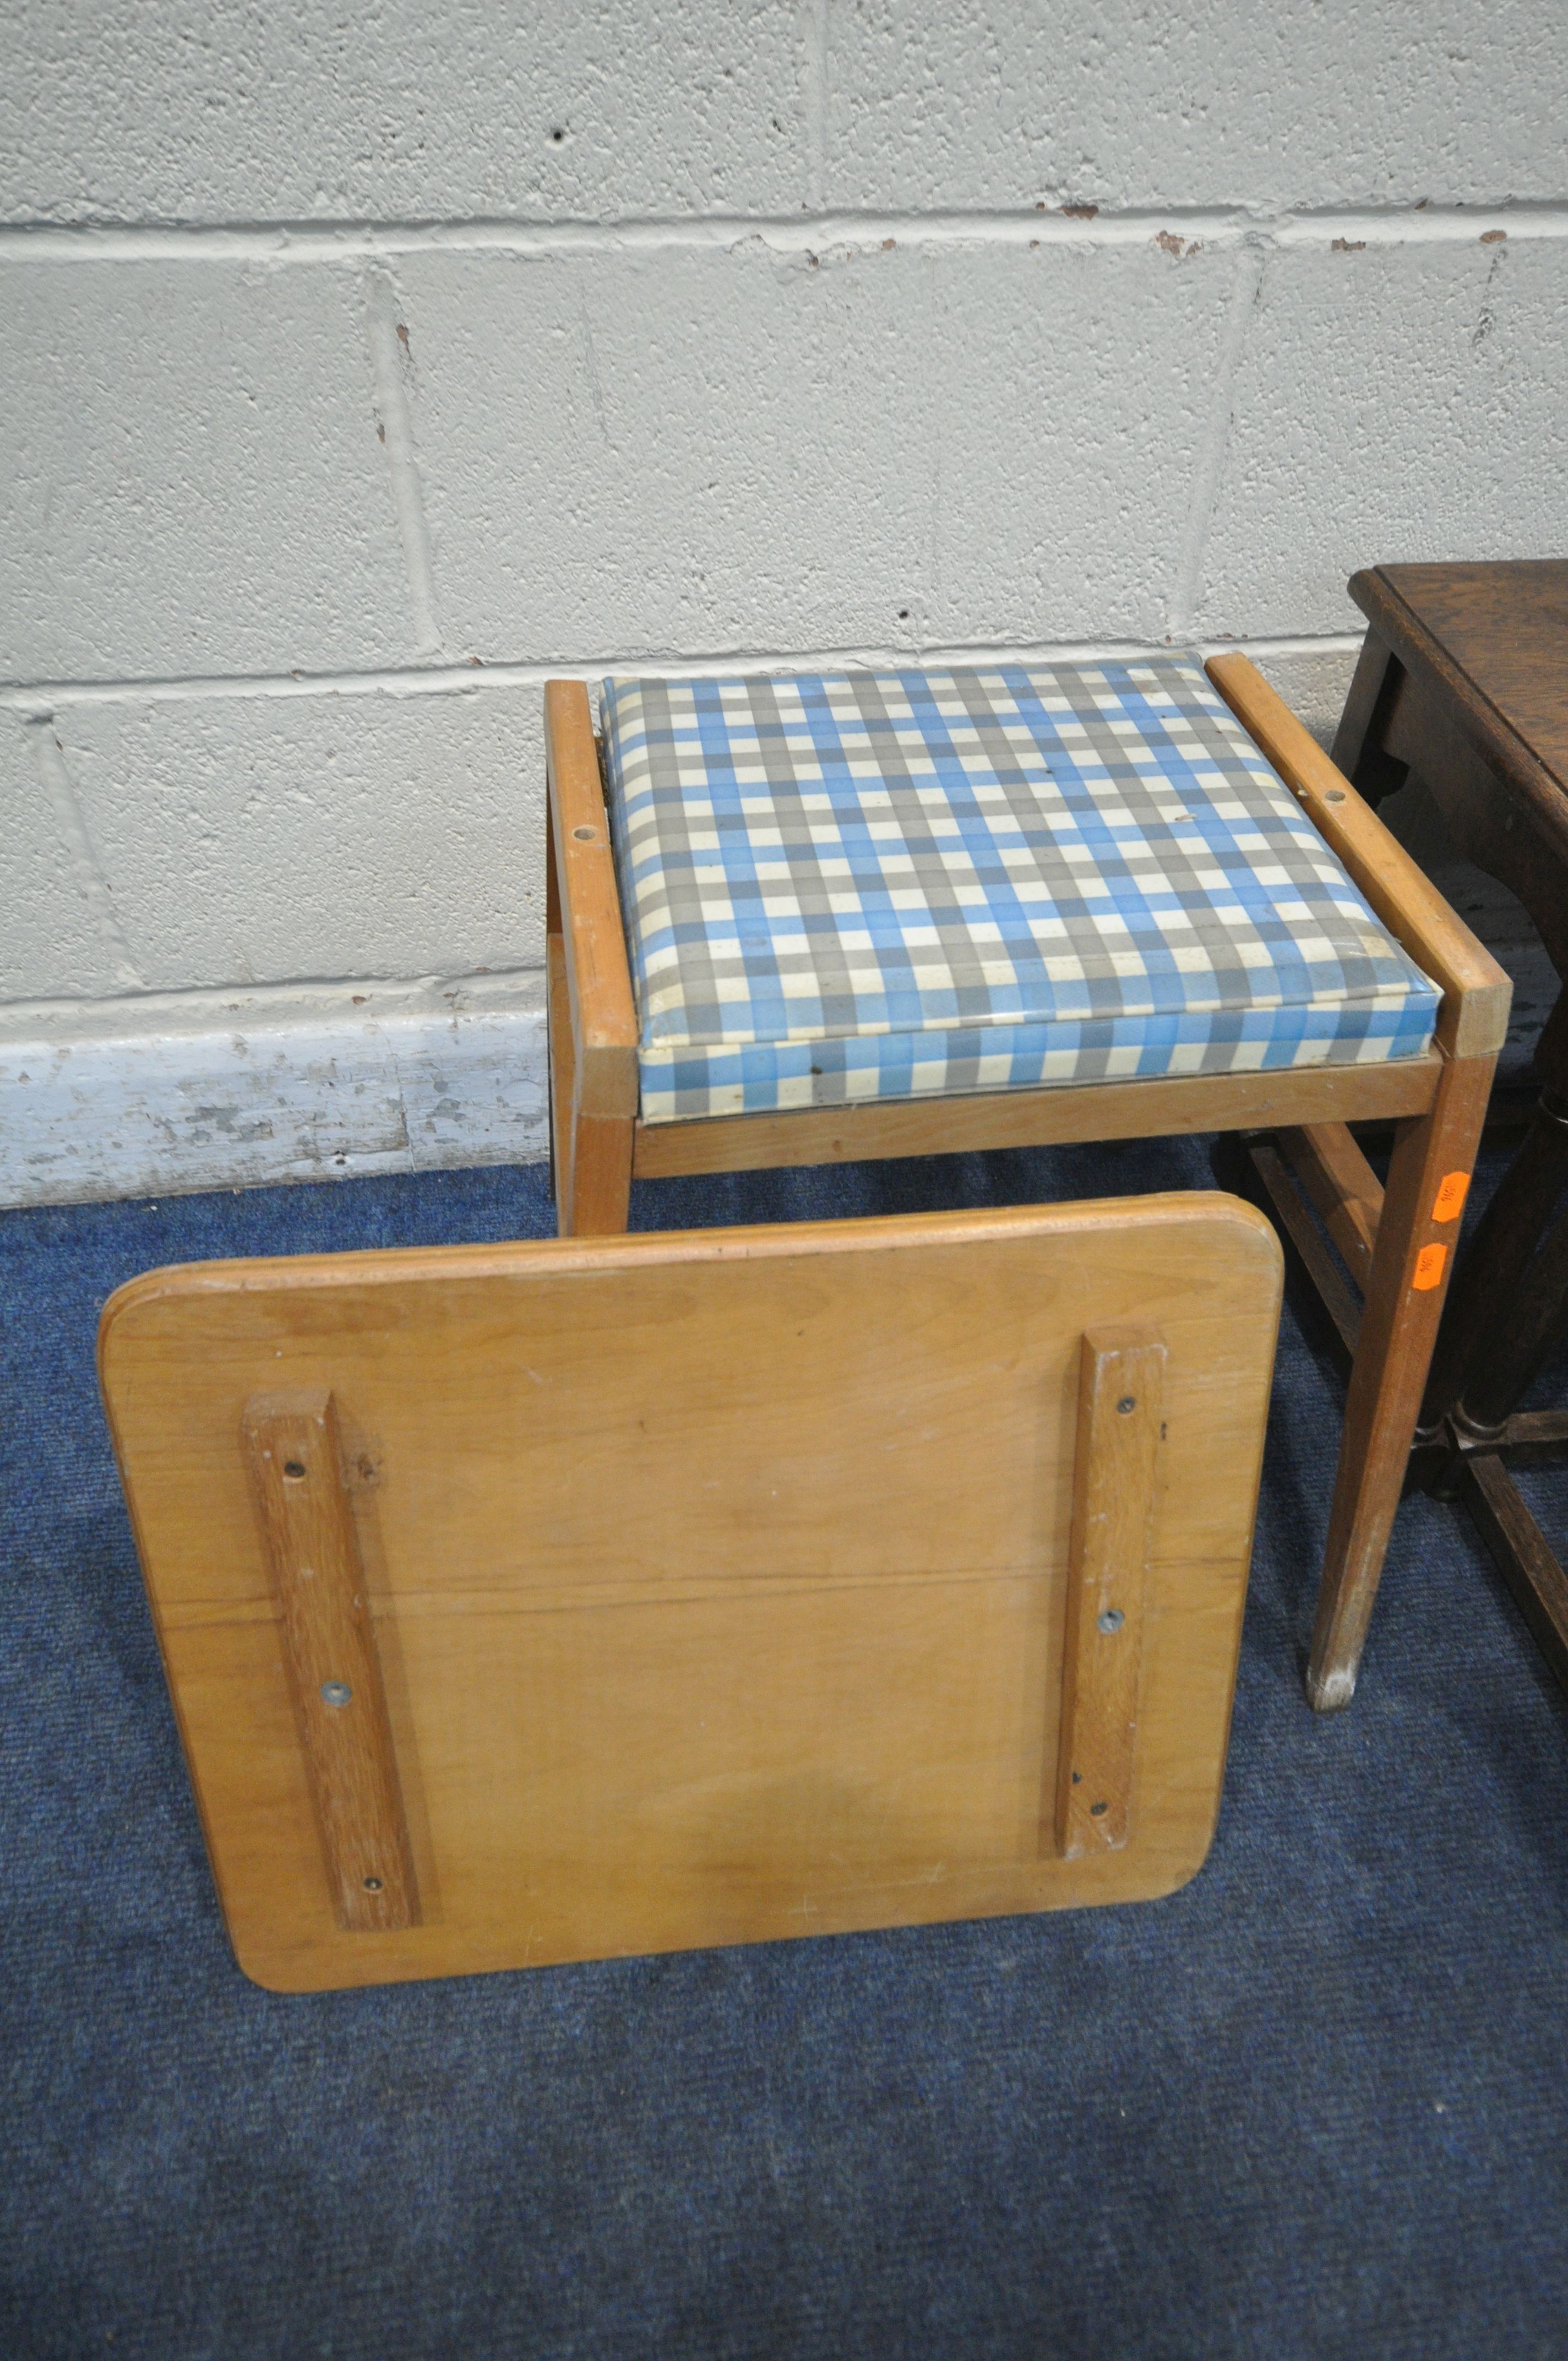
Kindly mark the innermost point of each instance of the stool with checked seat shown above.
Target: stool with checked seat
(813, 919)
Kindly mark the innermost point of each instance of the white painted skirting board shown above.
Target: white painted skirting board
(164, 1094)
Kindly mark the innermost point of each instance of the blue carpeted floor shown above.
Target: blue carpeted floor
(1316, 2105)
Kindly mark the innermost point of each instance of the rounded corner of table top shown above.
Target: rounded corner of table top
(1235, 1217)
(136, 1299)
(284, 1977)
(1175, 1876)
(132, 1300)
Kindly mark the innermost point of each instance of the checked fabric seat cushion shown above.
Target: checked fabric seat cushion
(894, 884)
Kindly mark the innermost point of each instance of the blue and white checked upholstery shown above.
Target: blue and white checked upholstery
(894, 885)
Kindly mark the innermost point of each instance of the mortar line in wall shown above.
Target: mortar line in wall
(93, 884)
(809, 233)
(35, 699)
(1187, 585)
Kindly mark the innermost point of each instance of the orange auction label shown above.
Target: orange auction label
(1429, 1266)
(1451, 1194)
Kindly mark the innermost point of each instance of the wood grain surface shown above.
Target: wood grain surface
(717, 1581)
(1338, 1180)
(1120, 1399)
(307, 1529)
(593, 1023)
(1026, 1118)
(1412, 1263)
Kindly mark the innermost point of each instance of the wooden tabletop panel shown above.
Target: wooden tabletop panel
(716, 1583)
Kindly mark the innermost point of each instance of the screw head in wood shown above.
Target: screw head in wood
(1128, 1402)
(294, 1469)
(336, 1692)
(1113, 1619)
(372, 1885)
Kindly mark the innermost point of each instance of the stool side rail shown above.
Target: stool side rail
(1473, 1020)
(1159, 1106)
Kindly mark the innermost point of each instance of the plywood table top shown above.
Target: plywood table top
(697, 1589)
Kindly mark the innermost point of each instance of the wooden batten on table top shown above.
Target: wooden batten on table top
(1116, 1454)
(306, 1517)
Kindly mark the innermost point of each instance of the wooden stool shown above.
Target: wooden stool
(578, 1598)
(855, 906)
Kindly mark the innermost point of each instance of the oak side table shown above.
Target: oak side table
(1463, 683)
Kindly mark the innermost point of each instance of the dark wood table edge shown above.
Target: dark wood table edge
(1396, 631)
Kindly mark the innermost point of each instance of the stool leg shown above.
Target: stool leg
(560, 1060)
(590, 1154)
(598, 1196)
(590, 1151)
(1404, 1301)
(593, 1015)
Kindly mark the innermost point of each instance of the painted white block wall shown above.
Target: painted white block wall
(360, 372)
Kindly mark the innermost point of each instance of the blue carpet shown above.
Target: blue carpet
(1312, 2105)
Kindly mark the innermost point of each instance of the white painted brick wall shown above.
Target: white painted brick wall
(51, 941)
(1343, 101)
(666, 453)
(269, 840)
(360, 371)
(284, 110)
(174, 111)
(193, 484)
(1391, 402)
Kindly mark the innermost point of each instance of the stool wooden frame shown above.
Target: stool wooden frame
(1397, 1241)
